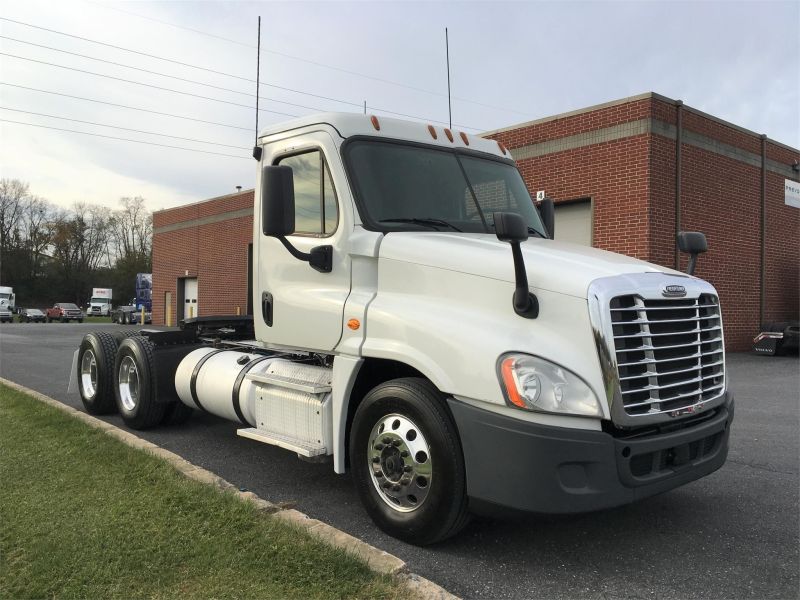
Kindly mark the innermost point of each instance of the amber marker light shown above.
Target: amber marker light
(449, 134)
(464, 138)
(502, 147)
(507, 372)
(354, 324)
(432, 131)
(375, 123)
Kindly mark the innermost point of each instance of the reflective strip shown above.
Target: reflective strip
(193, 380)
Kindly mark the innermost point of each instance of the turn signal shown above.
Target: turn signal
(354, 324)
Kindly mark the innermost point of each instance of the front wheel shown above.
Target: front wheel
(407, 462)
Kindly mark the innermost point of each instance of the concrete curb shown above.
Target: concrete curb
(378, 560)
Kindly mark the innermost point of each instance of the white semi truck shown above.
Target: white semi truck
(100, 302)
(417, 325)
(7, 298)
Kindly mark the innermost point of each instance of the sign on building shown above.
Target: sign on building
(792, 193)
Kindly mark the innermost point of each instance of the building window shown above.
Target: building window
(316, 211)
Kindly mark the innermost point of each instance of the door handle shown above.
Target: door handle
(266, 308)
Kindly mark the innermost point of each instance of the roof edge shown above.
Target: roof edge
(181, 206)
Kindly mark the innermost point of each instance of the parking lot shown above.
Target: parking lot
(733, 534)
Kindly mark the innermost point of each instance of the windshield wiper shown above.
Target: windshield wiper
(427, 222)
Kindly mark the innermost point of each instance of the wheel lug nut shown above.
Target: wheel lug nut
(407, 468)
(396, 488)
(405, 481)
(387, 440)
(376, 459)
(378, 446)
(404, 454)
(397, 442)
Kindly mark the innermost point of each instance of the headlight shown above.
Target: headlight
(532, 383)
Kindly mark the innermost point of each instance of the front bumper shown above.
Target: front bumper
(538, 468)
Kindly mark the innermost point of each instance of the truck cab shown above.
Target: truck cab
(417, 323)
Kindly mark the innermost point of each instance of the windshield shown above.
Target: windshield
(4, 296)
(100, 300)
(68, 306)
(418, 187)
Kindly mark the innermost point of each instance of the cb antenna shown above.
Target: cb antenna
(447, 51)
(256, 147)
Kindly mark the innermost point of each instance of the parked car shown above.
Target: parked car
(64, 311)
(6, 315)
(31, 315)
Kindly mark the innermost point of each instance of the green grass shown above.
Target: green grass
(84, 516)
(85, 320)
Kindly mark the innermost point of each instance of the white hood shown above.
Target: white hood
(555, 266)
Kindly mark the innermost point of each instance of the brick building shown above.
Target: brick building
(621, 180)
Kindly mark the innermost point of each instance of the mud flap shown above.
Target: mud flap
(73, 377)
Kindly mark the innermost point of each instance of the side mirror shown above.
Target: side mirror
(511, 228)
(277, 216)
(277, 201)
(692, 243)
(547, 209)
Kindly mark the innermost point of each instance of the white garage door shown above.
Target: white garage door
(574, 222)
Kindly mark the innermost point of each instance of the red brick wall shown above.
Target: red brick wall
(215, 253)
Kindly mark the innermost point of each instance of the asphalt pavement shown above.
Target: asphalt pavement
(733, 534)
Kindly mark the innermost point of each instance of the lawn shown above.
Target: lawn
(84, 516)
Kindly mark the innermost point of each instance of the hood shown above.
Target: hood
(551, 265)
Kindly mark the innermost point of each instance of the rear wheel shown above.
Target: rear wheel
(407, 461)
(96, 372)
(135, 385)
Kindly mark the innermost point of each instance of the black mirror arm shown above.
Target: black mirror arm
(320, 258)
(692, 263)
(525, 304)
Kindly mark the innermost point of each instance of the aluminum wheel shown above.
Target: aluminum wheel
(400, 462)
(128, 383)
(89, 374)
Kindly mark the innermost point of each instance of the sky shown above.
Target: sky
(510, 62)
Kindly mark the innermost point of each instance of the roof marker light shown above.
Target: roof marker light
(449, 134)
(432, 131)
(501, 146)
(375, 123)
(464, 138)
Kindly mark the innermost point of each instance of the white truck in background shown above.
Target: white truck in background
(100, 303)
(7, 298)
(418, 325)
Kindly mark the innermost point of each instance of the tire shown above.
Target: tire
(432, 503)
(135, 386)
(95, 372)
(177, 413)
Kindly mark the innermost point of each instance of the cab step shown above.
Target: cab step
(303, 449)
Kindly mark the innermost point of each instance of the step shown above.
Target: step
(289, 383)
(274, 439)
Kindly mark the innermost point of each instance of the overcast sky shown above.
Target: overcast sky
(510, 62)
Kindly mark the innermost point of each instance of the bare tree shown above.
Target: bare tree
(132, 232)
(13, 193)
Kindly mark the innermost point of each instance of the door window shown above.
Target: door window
(315, 208)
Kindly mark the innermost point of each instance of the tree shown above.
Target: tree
(13, 193)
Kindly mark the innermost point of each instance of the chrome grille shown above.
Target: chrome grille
(669, 353)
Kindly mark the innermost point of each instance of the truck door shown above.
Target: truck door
(294, 305)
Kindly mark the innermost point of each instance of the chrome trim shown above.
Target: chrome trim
(648, 286)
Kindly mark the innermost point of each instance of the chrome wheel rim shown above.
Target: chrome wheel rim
(88, 374)
(128, 383)
(399, 462)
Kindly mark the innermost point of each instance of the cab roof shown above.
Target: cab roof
(354, 124)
